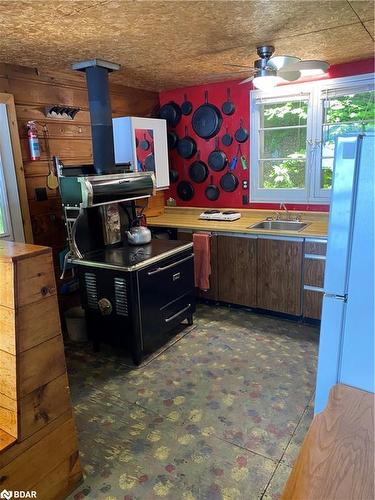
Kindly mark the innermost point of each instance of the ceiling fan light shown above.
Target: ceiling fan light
(313, 68)
(267, 82)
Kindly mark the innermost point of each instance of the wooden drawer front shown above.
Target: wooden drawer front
(312, 304)
(313, 272)
(8, 375)
(41, 364)
(316, 248)
(38, 322)
(35, 279)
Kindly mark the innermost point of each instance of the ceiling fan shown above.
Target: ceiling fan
(269, 71)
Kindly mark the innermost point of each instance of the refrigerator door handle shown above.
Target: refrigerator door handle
(344, 297)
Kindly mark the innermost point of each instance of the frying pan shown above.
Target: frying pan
(186, 106)
(207, 119)
(172, 139)
(185, 190)
(241, 134)
(198, 170)
(228, 107)
(171, 112)
(212, 192)
(227, 138)
(229, 182)
(217, 160)
(186, 147)
(144, 144)
(173, 175)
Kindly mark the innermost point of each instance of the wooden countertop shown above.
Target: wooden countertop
(11, 251)
(187, 218)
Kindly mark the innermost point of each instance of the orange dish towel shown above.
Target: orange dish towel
(202, 260)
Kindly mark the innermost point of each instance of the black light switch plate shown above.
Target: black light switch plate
(245, 199)
(41, 194)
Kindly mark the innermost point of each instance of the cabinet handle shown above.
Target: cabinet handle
(171, 318)
(160, 269)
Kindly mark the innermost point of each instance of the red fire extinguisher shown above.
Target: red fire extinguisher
(32, 135)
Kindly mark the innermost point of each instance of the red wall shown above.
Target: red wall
(217, 93)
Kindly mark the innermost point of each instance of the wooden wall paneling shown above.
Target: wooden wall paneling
(7, 298)
(73, 148)
(8, 378)
(7, 330)
(8, 100)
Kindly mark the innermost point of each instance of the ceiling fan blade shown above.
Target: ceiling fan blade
(248, 67)
(279, 62)
(250, 79)
(289, 76)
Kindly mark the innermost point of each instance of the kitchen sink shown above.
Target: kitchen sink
(280, 225)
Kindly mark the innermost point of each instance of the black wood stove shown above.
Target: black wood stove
(133, 296)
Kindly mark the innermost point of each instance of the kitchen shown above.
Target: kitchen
(184, 391)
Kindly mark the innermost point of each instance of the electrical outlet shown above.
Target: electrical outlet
(245, 184)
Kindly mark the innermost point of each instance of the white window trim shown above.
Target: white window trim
(14, 217)
(312, 193)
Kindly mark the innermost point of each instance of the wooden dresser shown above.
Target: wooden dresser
(38, 443)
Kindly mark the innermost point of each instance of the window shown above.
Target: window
(5, 231)
(293, 131)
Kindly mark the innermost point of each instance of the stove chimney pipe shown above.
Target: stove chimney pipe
(100, 111)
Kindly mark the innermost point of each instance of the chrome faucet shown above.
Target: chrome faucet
(287, 215)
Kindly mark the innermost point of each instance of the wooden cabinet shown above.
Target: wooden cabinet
(313, 278)
(279, 275)
(237, 270)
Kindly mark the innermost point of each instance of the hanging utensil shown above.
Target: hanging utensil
(242, 158)
(234, 160)
(172, 139)
(198, 170)
(186, 106)
(229, 182)
(217, 160)
(173, 175)
(207, 119)
(52, 180)
(228, 107)
(171, 112)
(227, 138)
(241, 135)
(185, 190)
(186, 147)
(212, 192)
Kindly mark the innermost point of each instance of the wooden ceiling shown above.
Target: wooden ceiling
(163, 45)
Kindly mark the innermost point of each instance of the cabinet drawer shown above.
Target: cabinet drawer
(313, 272)
(312, 304)
(172, 314)
(315, 247)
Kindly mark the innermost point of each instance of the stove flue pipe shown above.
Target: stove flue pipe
(100, 111)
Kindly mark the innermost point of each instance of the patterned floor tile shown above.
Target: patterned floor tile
(277, 483)
(295, 444)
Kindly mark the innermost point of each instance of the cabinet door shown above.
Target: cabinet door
(237, 270)
(279, 275)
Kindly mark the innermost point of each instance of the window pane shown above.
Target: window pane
(281, 143)
(348, 114)
(288, 173)
(3, 221)
(284, 114)
(351, 107)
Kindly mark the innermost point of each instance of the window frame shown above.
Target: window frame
(312, 193)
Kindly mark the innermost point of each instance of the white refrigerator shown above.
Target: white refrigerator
(346, 349)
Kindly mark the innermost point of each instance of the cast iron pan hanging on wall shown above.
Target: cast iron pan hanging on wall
(212, 192)
(228, 107)
(186, 106)
(217, 160)
(172, 139)
(171, 112)
(241, 134)
(186, 147)
(144, 144)
(207, 119)
(198, 170)
(227, 138)
(229, 182)
(185, 190)
(173, 175)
